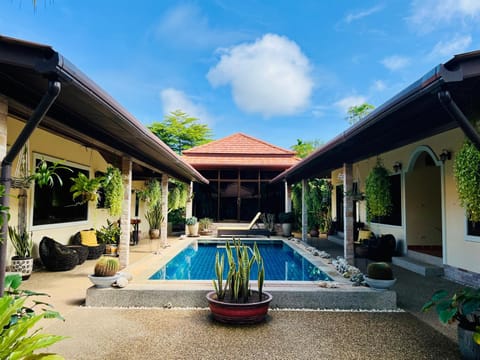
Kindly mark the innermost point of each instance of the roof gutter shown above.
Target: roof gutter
(456, 114)
(46, 102)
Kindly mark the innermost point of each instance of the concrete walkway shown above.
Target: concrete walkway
(119, 333)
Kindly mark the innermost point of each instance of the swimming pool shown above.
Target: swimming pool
(281, 262)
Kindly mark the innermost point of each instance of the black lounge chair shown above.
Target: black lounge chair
(57, 257)
(245, 230)
(94, 252)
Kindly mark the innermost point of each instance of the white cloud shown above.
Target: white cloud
(379, 85)
(395, 62)
(186, 25)
(446, 49)
(349, 101)
(427, 15)
(361, 14)
(270, 76)
(173, 99)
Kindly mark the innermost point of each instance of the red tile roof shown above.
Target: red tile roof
(240, 150)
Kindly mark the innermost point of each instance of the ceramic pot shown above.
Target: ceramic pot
(239, 313)
(103, 281)
(23, 266)
(154, 233)
(379, 284)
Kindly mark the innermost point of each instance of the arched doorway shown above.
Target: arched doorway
(423, 205)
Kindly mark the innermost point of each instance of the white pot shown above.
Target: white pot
(103, 281)
(287, 229)
(379, 284)
(23, 266)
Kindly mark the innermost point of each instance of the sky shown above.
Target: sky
(278, 70)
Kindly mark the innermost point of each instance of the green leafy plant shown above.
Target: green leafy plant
(191, 220)
(378, 192)
(154, 216)
(205, 223)
(46, 174)
(467, 177)
(4, 212)
(22, 242)
(110, 233)
(17, 319)
(114, 191)
(86, 189)
(237, 284)
(463, 306)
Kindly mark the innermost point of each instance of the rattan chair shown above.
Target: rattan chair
(94, 252)
(57, 257)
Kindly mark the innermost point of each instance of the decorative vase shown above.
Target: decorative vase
(154, 233)
(251, 312)
(193, 230)
(103, 281)
(111, 249)
(287, 229)
(22, 265)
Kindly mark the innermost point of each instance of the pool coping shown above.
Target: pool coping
(142, 292)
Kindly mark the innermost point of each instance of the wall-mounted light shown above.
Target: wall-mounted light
(445, 155)
(397, 166)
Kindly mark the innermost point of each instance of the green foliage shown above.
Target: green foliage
(205, 223)
(177, 194)
(285, 217)
(318, 200)
(109, 234)
(358, 112)
(114, 191)
(154, 215)
(466, 170)
(16, 320)
(378, 192)
(181, 132)
(304, 148)
(191, 220)
(380, 271)
(237, 283)
(106, 266)
(22, 242)
(46, 174)
(4, 212)
(86, 189)
(463, 306)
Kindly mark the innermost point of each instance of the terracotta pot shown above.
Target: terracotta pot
(239, 313)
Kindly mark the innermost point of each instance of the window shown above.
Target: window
(395, 218)
(473, 228)
(54, 205)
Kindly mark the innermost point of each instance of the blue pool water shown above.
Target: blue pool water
(281, 262)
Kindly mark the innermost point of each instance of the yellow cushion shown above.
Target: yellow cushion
(88, 237)
(364, 235)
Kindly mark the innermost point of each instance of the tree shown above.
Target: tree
(304, 148)
(181, 131)
(358, 112)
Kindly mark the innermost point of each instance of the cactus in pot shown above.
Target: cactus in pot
(106, 266)
(380, 271)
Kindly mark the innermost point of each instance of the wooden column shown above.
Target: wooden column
(304, 210)
(164, 200)
(348, 220)
(124, 247)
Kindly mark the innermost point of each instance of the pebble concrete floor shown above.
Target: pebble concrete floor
(119, 333)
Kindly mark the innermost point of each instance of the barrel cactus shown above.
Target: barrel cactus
(106, 266)
(380, 271)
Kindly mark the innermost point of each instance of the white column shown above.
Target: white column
(304, 210)
(288, 197)
(124, 247)
(348, 220)
(164, 222)
(189, 205)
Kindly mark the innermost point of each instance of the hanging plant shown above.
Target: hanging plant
(114, 190)
(377, 192)
(466, 170)
(86, 189)
(45, 174)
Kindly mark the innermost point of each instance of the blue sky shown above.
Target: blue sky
(277, 70)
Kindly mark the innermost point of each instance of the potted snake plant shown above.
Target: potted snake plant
(233, 301)
(22, 242)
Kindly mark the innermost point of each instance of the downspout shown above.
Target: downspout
(456, 114)
(6, 172)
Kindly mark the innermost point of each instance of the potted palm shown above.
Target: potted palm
(204, 225)
(22, 242)
(233, 301)
(154, 218)
(192, 224)
(463, 306)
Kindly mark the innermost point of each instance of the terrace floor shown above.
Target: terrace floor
(146, 333)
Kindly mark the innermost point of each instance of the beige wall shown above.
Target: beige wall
(52, 146)
(460, 251)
